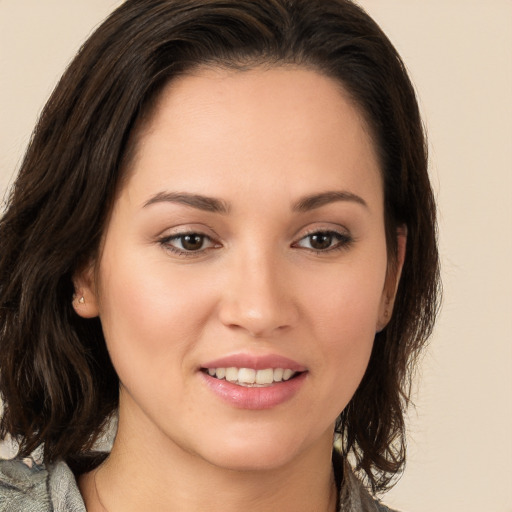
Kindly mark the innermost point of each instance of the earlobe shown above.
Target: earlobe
(84, 298)
(394, 273)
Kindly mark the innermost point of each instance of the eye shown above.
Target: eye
(324, 241)
(186, 243)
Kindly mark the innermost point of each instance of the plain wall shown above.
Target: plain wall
(459, 53)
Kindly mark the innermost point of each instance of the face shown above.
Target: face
(243, 272)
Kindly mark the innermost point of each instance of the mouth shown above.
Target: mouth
(250, 377)
(254, 382)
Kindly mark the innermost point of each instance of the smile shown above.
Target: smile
(250, 381)
(250, 377)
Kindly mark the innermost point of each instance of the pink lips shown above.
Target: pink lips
(256, 362)
(255, 398)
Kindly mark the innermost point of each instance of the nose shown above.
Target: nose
(258, 297)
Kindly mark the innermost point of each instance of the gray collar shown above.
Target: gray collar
(28, 487)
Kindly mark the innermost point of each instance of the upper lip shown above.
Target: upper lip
(257, 362)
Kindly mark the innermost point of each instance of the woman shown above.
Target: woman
(223, 232)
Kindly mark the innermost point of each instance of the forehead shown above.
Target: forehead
(276, 121)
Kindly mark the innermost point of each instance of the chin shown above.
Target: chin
(251, 460)
(254, 452)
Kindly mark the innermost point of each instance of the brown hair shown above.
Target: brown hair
(56, 378)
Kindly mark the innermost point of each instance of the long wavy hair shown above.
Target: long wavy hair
(56, 380)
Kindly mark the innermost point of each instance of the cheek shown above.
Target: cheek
(346, 303)
(148, 316)
(345, 333)
(343, 314)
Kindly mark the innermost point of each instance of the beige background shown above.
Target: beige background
(459, 53)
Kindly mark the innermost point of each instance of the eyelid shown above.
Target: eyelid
(176, 233)
(184, 229)
(343, 235)
(322, 227)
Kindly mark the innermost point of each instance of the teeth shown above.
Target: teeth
(265, 376)
(249, 377)
(278, 374)
(246, 375)
(231, 374)
(287, 374)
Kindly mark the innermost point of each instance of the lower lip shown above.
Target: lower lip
(254, 398)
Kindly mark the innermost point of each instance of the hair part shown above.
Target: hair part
(57, 382)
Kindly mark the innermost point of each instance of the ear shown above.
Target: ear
(392, 280)
(85, 300)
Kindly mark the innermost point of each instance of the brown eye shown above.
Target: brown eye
(320, 241)
(192, 242)
(324, 241)
(187, 243)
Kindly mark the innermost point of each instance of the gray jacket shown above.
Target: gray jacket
(29, 487)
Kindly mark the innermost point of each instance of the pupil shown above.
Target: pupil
(321, 241)
(192, 242)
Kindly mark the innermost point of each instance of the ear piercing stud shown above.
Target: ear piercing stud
(79, 300)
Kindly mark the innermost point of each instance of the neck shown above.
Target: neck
(161, 476)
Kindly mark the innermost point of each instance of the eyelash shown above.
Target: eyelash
(343, 241)
(166, 243)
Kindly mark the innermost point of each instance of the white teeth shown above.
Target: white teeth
(249, 377)
(246, 375)
(287, 374)
(278, 374)
(231, 374)
(265, 376)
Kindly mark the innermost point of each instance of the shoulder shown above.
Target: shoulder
(23, 486)
(29, 487)
(354, 497)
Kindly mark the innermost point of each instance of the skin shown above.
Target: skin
(258, 141)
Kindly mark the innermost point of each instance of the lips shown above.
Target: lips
(254, 382)
(256, 362)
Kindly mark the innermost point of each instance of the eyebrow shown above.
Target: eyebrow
(214, 205)
(205, 203)
(313, 201)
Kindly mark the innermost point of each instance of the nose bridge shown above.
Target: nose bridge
(257, 298)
